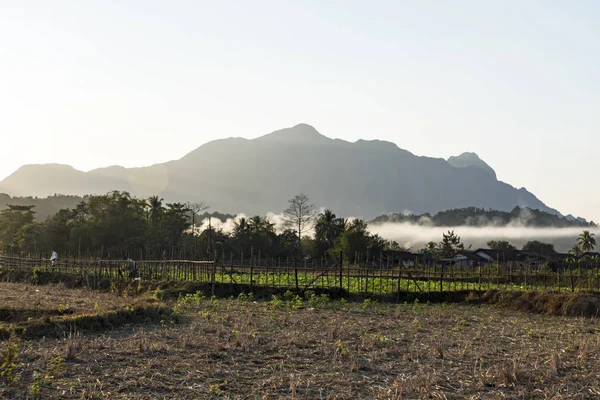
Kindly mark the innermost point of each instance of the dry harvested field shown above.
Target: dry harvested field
(55, 310)
(297, 349)
(21, 301)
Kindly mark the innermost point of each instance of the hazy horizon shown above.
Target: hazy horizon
(93, 84)
(415, 236)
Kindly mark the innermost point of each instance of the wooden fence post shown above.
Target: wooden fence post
(252, 274)
(399, 283)
(296, 272)
(341, 272)
(213, 277)
(571, 277)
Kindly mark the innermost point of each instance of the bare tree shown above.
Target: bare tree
(195, 209)
(300, 214)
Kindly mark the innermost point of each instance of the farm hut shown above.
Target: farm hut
(465, 259)
(400, 258)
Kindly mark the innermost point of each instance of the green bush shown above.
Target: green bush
(36, 275)
(293, 301)
(191, 299)
(275, 302)
(10, 355)
(246, 297)
(318, 301)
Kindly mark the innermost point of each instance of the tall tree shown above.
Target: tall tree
(300, 214)
(450, 244)
(575, 250)
(12, 220)
(501, 245)
(586, 241)
(535, 246)
(262, 233)
(240, 227)
(260, 225)
(327, 229)
(195, 209)
(155, 208)
(176, 221)
(325, 226)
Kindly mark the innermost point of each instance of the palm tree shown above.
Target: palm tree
(240, 227)
(259, 225)
(586, 241)
(575, 250)
(341, 224)
(155, 207)
(326, 227)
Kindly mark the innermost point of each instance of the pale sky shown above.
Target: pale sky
(98, 83)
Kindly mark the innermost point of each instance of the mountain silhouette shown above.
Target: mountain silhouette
(471, 160)
(365, 179)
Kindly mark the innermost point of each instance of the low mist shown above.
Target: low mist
(229, 224)
(415, 236)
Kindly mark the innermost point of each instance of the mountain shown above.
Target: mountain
(471, 160)
(570, 217)
(365, 179)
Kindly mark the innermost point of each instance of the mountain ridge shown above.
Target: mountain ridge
(365, 178)
(471, 160)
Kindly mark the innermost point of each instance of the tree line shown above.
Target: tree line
(118, 224)
(468, 216)
(474, 216)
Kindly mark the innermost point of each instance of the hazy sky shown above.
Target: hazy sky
(97, 83)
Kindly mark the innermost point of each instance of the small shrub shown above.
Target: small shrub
(10, 355)
(288, 296)
(55, 367)
(114, 287)
(309, 294)
(246, 297)
(72, 347)
(36, 275)
(63, 308)
(318, 301)
(35, 390)
(344, 304)
(341, 349)
(191, 299)
(368, 303)
(177, 315)
(295, 302)
(275, 302)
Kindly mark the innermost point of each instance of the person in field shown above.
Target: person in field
(132, 268)
(53, 257)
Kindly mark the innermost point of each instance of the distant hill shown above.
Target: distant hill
(44, 207)
(363, 179)
(472, 216)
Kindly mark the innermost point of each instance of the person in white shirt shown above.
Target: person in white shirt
(131, 267)
(53, 257)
